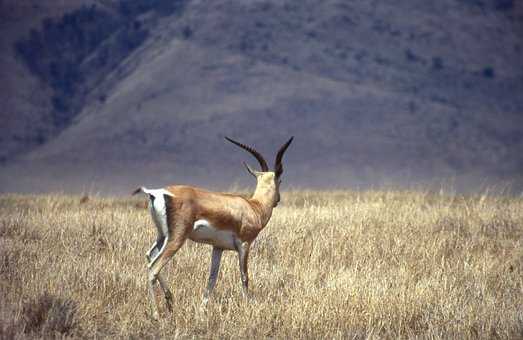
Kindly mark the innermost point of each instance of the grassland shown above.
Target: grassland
(338, 264)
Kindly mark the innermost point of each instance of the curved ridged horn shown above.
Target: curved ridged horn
(278, 167)
(255, 153)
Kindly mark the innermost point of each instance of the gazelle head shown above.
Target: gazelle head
(268, 182)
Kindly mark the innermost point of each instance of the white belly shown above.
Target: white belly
(204, 232)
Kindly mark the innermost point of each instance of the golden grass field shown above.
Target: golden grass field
(336, 264)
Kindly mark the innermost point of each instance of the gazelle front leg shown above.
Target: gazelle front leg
(243, 256)
(213, 275)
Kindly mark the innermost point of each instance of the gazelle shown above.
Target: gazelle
(225, 221)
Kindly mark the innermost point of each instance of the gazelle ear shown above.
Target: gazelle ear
(252, 172)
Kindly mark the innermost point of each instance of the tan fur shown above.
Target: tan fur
(226, 221)
(244, 217)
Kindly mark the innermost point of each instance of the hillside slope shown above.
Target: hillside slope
(375, 93)
(26, 113)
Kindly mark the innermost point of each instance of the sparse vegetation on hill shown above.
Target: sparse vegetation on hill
(133, 8)
(340, 264)
(376, 92)
(499, 5)
(56, 51)
(82, 45)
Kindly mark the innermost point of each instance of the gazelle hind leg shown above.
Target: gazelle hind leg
(176, 226)
(243, 256)
(152, 296)
(156, 248)
(153, 275)
(213, 275)
(168, 251)
(166, 293)
(165, 288)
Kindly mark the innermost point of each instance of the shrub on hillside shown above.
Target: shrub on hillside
(132, 8)
(488, 72)
(55, 52)
(66, 52)
(504, 5)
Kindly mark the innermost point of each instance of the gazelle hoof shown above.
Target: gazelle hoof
(156, 316)
(169, 301)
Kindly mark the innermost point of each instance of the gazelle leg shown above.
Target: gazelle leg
(166, 293)
(156, 266)
(148, 254)
(174, 226)
(165, 288)
(155, 248)
(243, 255)
(213, 275)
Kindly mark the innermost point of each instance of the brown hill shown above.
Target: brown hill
(375, 94)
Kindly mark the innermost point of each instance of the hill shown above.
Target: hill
(375, 93)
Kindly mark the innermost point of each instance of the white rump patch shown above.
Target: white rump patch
(204, 232)
(158, 209)
(157, 192)
(159, 213)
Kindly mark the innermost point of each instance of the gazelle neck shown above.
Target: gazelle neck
(265, 194)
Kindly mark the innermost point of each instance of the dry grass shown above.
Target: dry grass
(382, 264)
